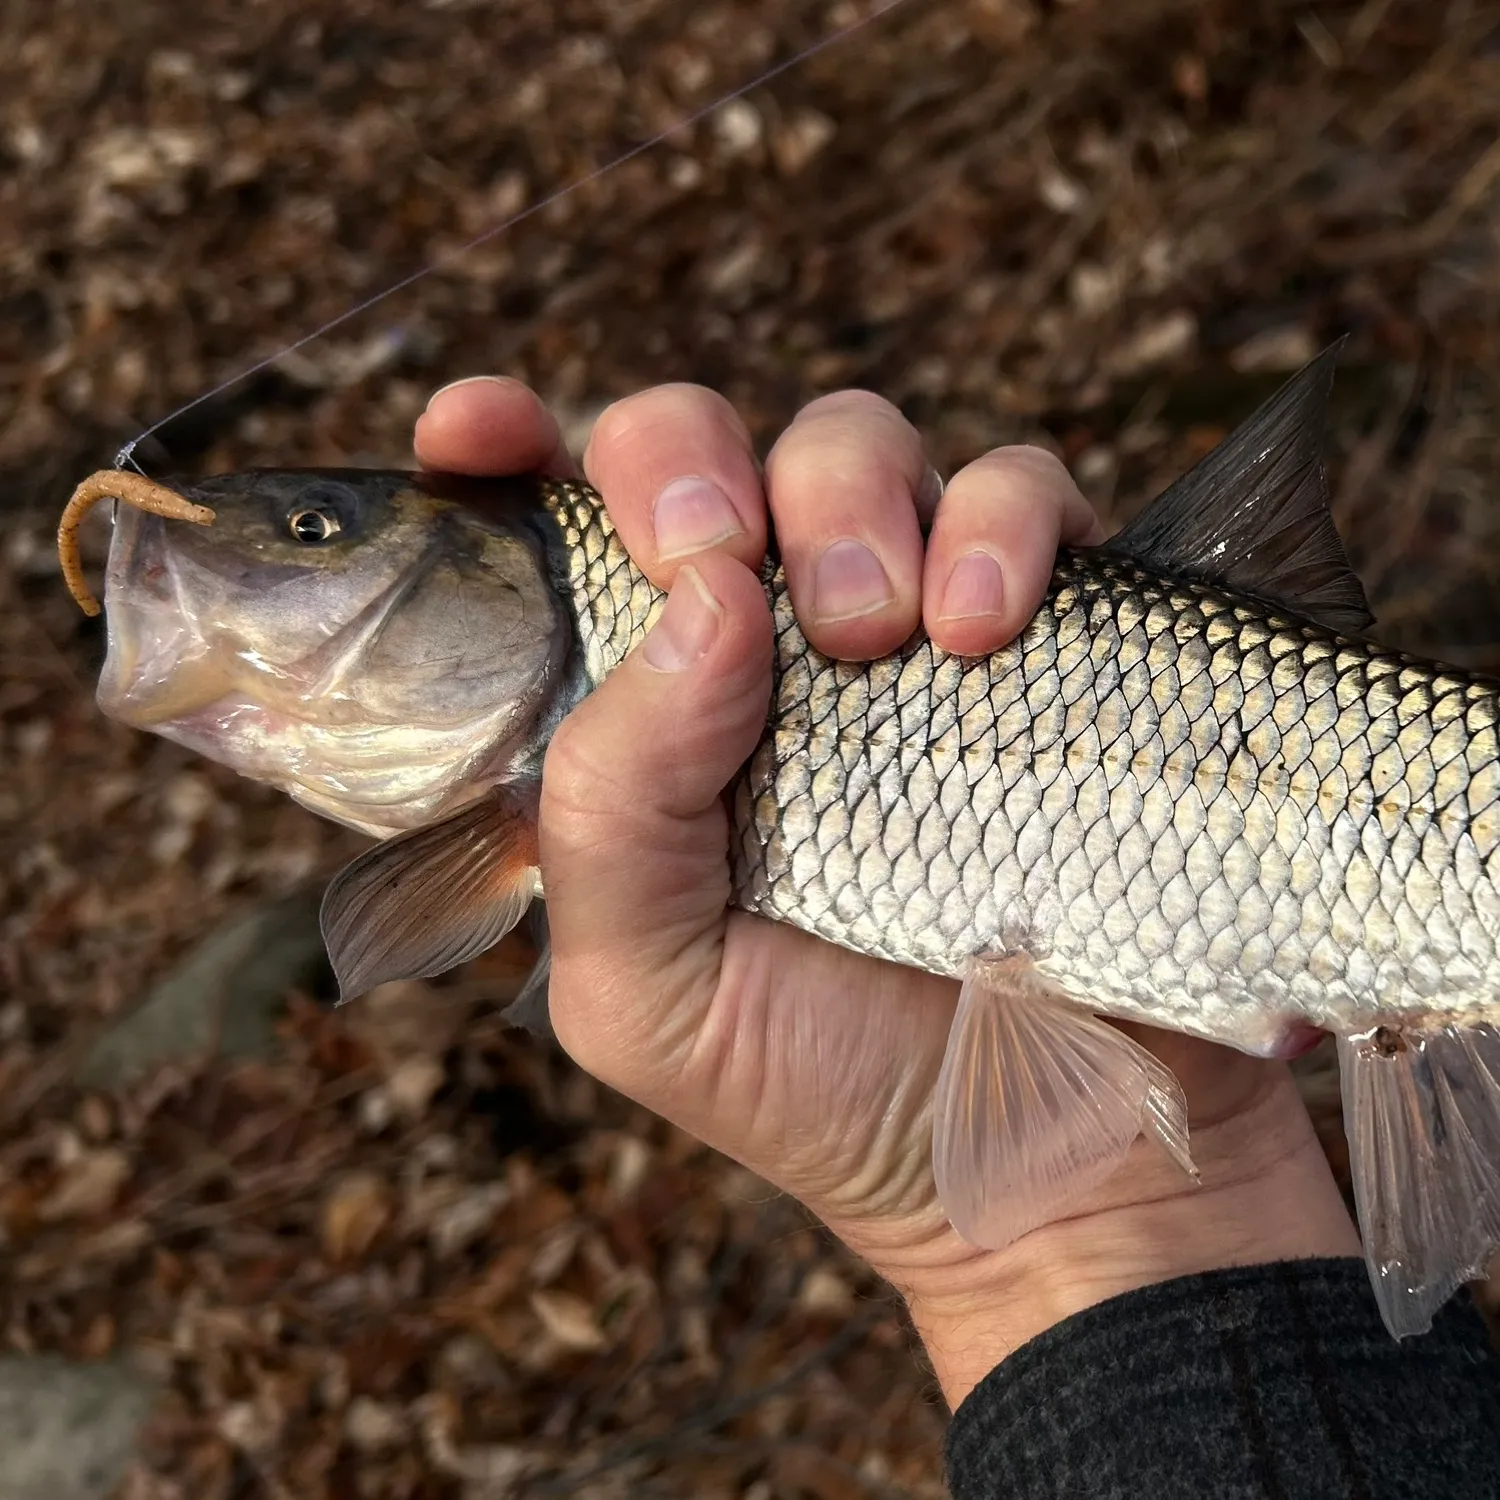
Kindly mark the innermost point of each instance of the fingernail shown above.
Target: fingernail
(686, 627)
(975, 588)
(692, 513)
(453, 385)
(849, 582)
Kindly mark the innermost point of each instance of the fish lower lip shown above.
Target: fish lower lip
(191, 690)
(151, 676)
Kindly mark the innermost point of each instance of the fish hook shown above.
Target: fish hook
(111, 484)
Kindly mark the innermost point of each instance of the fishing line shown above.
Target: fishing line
(686, 122)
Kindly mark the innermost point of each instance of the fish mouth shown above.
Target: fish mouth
(160, 663)
(173, 652)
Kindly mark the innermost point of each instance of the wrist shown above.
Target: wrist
(1266, 1194)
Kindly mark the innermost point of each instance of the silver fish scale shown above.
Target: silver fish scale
(1185, 808)
(614, 603)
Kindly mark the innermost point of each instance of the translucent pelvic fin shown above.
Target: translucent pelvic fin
(1037, 1102)
(1422, 1116)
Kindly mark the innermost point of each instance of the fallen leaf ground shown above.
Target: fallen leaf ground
(411, 1254)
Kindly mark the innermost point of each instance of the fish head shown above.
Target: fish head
(380, 645)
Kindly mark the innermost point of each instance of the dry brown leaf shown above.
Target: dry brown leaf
(18, 1210)
(374, 1426)
(407, 1018)
(1161, 341)
(91, 1185)
(95, 1118)
(99, 1337)
(554, 1252)
(569, 1319)
(801, 1467)
(538, 1211)
(825, 1292)
(802, 137)
(254, 1427)
(412, 1085)
(356, 1208)
(628, 1168)
(451, 1213)
(1285, 348)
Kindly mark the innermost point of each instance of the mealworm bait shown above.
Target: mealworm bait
(112, 484)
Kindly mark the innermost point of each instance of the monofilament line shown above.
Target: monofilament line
(686, 122)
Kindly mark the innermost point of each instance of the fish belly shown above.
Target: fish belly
(1182, 807)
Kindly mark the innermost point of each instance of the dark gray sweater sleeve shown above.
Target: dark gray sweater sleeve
(1258, 1383)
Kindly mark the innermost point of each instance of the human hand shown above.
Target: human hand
(814, 1066)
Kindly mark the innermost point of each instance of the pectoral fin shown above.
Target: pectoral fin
(429, 900)
(1037, 1102)
(1422, 1115)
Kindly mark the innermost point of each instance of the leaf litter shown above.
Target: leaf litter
(407, 1253)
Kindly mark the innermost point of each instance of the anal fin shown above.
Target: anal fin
(424, 902)
(1422, 1117)
(1038, 1101)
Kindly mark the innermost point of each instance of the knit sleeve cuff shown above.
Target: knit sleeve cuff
(1277, 1381)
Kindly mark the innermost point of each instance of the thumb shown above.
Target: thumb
(634, 836)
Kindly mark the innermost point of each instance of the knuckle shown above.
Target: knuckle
(843, 458)
(662, 406)
(618, 422)
(852, 401)
(1020, 479)
(850, 438)
(1032, 460)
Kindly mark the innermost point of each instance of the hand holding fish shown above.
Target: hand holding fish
(1190, 793)
(813, 1065)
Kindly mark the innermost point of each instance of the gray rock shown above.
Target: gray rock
(224, 996)
(67, 1431)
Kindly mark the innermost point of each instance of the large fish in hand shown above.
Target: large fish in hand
(1190, 794)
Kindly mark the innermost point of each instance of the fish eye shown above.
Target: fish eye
(313, 525)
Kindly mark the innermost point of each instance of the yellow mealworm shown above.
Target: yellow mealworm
(114, 484)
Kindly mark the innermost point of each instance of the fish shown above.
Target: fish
(1193, 793)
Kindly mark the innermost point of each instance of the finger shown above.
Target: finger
(842, 483)
(633, 832)
(490, 424)
(676, 468)
(993, 545)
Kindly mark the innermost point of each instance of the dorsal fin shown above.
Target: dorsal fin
(1253, 514)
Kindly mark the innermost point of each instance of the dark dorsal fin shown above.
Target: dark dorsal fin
(1253, 515)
